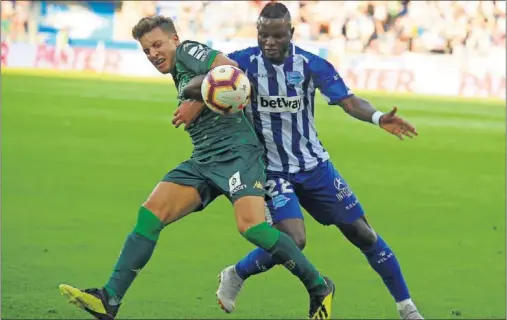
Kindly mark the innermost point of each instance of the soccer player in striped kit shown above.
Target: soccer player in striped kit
(284, 78)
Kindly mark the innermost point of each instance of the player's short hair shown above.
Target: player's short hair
(147, 24)
(275, 10)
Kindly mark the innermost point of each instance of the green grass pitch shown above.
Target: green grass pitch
(79, 155)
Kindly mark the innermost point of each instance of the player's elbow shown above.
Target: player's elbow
(347, 106)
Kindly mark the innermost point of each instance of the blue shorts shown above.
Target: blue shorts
(321, 191)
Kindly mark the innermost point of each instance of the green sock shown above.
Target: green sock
(282, 248)
(136, 252)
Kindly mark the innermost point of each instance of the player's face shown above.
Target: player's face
(273, 36)
(160, 48)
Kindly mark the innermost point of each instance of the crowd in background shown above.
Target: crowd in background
(387, 27)
(383, 27)
(15, 17)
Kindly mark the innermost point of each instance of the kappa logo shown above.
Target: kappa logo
(235, 183)
(258, 185)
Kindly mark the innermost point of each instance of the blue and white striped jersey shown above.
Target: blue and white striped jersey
(283, 105)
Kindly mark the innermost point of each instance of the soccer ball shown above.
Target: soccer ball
(226, 90)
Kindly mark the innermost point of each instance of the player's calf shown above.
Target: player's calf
(250, 212)
(167, 203)
(383, 260)
(251, 222)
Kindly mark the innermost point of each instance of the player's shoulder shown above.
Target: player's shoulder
(310, 58)
(245, 53)
(187, 45)
(315, 62)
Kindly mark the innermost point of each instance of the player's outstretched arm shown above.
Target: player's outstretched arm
(390, 122)
(336, 92)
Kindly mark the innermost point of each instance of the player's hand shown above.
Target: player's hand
(187, 112)
(395, 125)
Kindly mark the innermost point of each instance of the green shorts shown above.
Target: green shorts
(234, 173)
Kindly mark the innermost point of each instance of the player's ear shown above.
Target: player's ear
(175, 38)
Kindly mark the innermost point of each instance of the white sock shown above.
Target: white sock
(402, 304)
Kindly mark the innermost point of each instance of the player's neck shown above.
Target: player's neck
(279, 62)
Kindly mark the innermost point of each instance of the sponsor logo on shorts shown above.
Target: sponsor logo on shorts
(280, 201)
(235, 183)
(258, 185)
(342, 188)
(351, 205)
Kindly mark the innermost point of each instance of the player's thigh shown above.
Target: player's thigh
(282, 203)
(240, 175)
(183, 190)
(326, 196)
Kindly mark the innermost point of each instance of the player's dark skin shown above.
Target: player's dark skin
(274, 38)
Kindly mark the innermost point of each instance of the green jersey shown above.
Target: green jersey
(211, 133)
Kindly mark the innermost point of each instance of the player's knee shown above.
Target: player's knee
(165, 212)
(300, 241)
(157, 210)
(249, 211)
(368, 238)
(359, 233)
(295, 229)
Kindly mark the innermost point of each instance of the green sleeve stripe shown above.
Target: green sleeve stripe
(212, 55)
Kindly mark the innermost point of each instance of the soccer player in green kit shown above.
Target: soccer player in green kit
(226, 160)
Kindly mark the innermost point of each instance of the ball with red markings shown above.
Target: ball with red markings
(226, 90)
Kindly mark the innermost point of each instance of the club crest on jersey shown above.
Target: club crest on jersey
(294, 77)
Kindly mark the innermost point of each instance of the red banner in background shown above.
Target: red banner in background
(411, 73)
(383, 80)
(4, 51)
(78, 59)
(487, 85)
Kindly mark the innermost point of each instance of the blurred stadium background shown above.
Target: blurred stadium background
(86, 134)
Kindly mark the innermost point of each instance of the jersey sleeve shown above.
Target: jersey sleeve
(196, 56)
(328, 80)
(242, 57)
